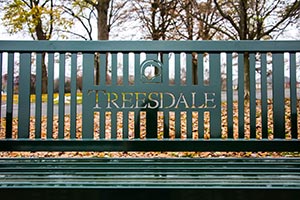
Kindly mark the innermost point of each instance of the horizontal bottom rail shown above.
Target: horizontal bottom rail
(277, 145)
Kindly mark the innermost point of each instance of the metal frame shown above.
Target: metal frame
(156, 52)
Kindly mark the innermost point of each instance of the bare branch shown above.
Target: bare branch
(91, 3)
(26, 3)
(227, 17)
(88, 29)
(289, 13)
(51, 18)
(74, 33)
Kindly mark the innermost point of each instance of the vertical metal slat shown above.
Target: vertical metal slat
(166, 116)
(114, 69)
(103, 68)
(88, 96)
(38, 95)
(215, 83)
(189, 124)
(200, 83)
(137, 81)
(125, 69)
(61, 108)
(73, 113)
(264, 96)
(200, 125)
(50, 95)
(252, 96)
(177, 69)
(24, 95)
(165, 69)
(293, 96)
(103, 74)
(200, 69)
(137, 70)
(189, 69)
(177, 83)
(125, 122)
(229, 96)
(9, 95)
(177, 124)
(278, 95)
(165, 79)
(137, 123)
(114, 124)
(114, 82)
(241, 106)
(102, 124)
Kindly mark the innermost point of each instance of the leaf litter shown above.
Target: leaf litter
(160, 130)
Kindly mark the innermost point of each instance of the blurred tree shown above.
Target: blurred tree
(102, 8)
(195, 20)
(106, 13)
(254, 20)
(156, 17)
(40, 19)
(83, 14)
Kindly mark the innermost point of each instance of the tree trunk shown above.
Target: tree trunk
(244, 35)
(44, 75)
(246, 76)
(42, 36)
(103, 32)
(102, 9)
(195, 68)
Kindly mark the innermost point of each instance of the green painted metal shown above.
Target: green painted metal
(214, 88)
(241, 93)
(103, 80)
(151, 144)
(50, 104)
(61, 96)
(278, 95)
(73, 112)
(38, 94)
(149, 46)
(24, 98)
(103, 68)
(252, 99)
(9, 95)
(150, 173)
(293, 96)
(264, 96)
(137, 81)
(88, 96)
(174, 88)
(229, 97)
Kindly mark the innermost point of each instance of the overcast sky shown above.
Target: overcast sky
(130, 31)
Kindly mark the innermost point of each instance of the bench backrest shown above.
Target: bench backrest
(150, 95)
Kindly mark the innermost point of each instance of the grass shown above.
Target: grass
(45, 98)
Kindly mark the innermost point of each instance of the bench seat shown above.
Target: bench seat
(238, 173)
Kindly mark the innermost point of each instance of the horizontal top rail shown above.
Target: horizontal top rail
(149, 46)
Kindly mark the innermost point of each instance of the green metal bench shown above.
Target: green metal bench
(150, 96)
